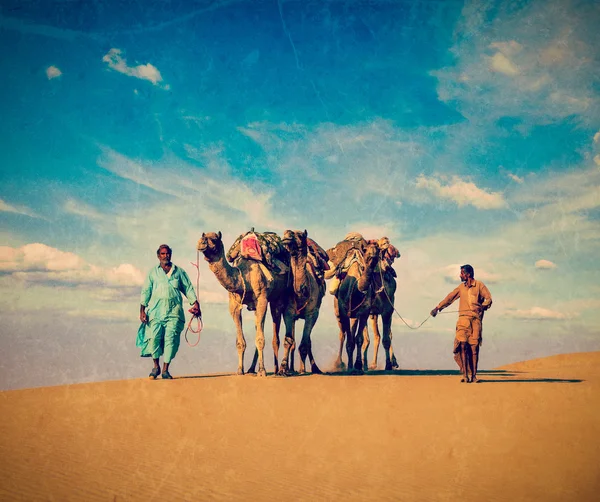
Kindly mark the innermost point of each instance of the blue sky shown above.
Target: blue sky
(467, 132)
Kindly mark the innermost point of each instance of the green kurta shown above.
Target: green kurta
(161, 295)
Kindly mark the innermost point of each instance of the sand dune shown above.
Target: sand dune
(529, 432)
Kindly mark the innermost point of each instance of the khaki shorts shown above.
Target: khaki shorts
(468, 329)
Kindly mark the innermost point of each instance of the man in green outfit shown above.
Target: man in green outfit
(161, 310)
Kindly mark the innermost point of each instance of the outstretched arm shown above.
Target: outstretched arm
(449, 300)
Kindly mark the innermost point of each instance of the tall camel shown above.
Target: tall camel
(305, 300)
(248, 286)
(353, 300)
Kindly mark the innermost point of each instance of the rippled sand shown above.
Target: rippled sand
(529, 431)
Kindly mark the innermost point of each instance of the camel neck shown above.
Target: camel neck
(298, 271)
(229, 277)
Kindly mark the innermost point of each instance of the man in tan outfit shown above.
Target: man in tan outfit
(475, 299)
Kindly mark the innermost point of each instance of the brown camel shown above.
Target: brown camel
(248, 286)
(354, 300)
(382, 305)
(306, 295)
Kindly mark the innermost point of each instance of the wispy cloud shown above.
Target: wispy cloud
(537, 314)
(451, 274)
(545, 265)
(9, 208)
(53, 72)
(461, 192)
(147, 71)
(41, 264)
(516, 178)
(512, 67)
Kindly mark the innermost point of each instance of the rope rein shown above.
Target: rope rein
(398, 313)
(200, 324)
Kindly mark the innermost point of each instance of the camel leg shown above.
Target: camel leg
(395, 364)
(386, 321)
(259, 318)
(358, 340)
(276, 315)
(288, 342)
(365, 344)
(292, 358)
(339, 364)
(376, 340)
(235, 309)
(349, 334)
(305, 348)
(252, 368)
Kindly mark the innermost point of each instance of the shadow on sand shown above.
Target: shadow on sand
(485, 376)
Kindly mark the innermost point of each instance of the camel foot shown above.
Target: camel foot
(339, 365)
(464, 380)
(262, 372)
(395, 365)
(388, 367)
(356, 371)
(240, 371)
(315, 370)
(373, 366)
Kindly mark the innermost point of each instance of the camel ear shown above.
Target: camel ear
(219, 234)
(305, 232)
(203, 235)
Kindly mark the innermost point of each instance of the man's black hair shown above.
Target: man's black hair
(469, 270)
(164, 246)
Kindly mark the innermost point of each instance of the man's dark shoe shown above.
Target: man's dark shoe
(167, 376)
(154, 373)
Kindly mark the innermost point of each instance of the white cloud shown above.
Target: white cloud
(117, 62)
(53, 72)
(597, 160)
(9, 208)
(537, 314)
(516, 178)
(500, 63)
(461, 192)
(38, 263)
(545, 265)
(451, 274)
(548, 51)
(597, 137)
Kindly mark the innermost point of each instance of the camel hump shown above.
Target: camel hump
(263, 247)
(318, 254)
(338, 254)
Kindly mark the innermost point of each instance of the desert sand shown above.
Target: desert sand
(529, 432)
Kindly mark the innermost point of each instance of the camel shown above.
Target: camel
(305, 300)
(248, 286)
(354, 299)
(382, 305)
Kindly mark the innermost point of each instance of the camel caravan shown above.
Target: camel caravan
(289, 276)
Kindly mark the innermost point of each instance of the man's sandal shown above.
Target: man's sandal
(154, 373)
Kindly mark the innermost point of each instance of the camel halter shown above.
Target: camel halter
(306, 280)
(200, 323)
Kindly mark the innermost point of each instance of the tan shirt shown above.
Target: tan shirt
(473, 300)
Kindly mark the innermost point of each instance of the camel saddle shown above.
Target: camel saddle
(265, 247)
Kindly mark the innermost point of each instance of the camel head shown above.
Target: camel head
(371, 255)
(211, 246)
(295, 242)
